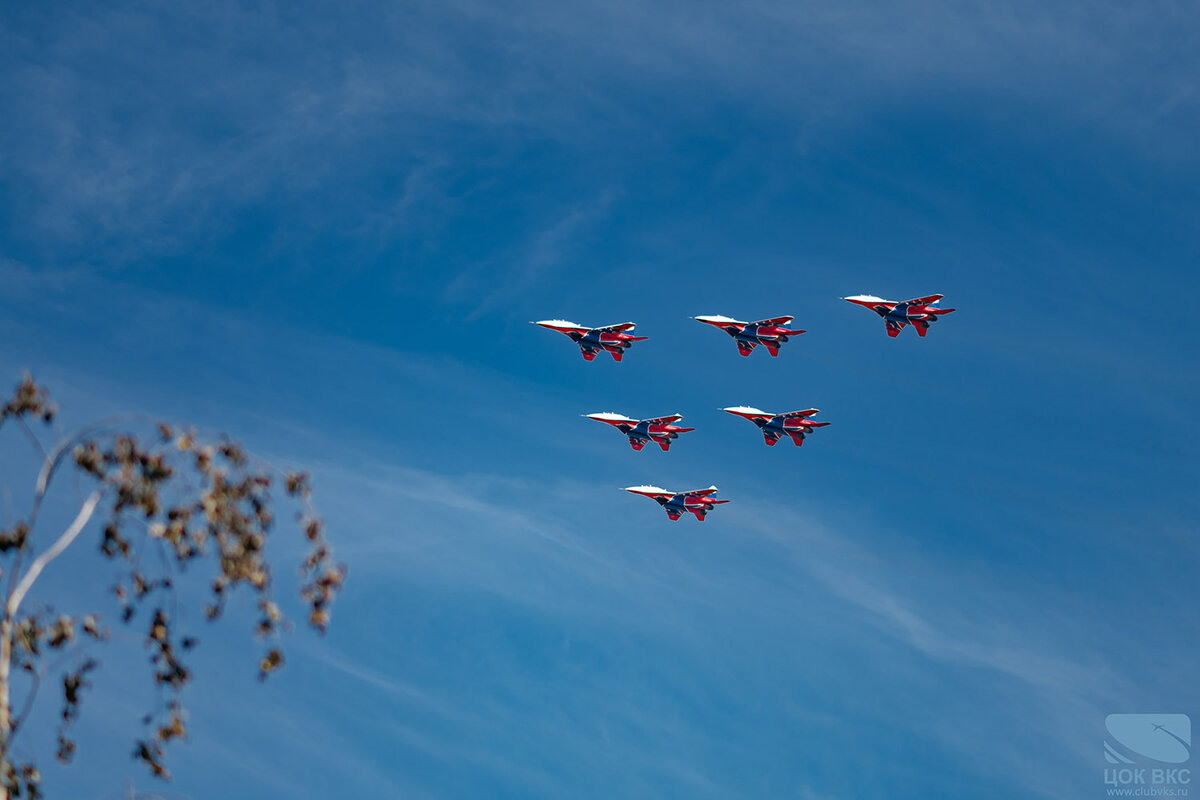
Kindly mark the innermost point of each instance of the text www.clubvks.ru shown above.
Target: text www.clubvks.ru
(1132, 782)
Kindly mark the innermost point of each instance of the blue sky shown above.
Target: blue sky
(325, 231)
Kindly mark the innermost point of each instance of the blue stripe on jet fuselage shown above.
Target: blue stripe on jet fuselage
(750, 334)
(775, 429)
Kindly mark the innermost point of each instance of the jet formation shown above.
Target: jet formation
(770, 333)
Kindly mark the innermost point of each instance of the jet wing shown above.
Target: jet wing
(806, 413)
(698, 492)
(624, 326)
(922, 301)
(650, 491)
(563, 326)
(612, 418)
(774, 321)
(720, 320)
(664, 420)
(749, 412)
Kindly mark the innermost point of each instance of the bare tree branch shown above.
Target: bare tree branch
(53, 552)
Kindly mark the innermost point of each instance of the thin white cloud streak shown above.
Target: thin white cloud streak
(508, 276)
(1068, 691)
(1073, 687)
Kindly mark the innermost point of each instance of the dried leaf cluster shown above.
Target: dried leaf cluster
(167, 500)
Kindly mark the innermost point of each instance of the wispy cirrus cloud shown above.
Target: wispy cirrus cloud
(103, 148)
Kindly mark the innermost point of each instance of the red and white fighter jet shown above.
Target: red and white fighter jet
(697, 501)
(796, 424)
(918, 312)
(592, 340)
(770, 333)
(641, 431)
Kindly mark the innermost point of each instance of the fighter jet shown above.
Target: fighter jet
(770, 333)
(918, 312)
(675, 504)
(774, 427)
(641, 431)
(592, 340)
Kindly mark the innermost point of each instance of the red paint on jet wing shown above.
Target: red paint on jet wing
(924, 301)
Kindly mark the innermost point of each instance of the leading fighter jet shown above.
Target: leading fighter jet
(641, 431)
(770, 333)
(774, 427)
(918, 312)
(592, 340)
(675, 504)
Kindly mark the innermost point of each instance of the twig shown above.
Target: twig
(53, 552)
